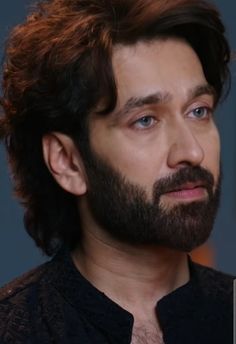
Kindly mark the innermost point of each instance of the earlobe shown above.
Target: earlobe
(64, 162)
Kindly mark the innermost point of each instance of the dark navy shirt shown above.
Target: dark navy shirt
(55, 304)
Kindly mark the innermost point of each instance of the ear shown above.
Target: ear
(64, 162)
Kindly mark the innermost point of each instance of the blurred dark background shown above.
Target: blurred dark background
(19, 254)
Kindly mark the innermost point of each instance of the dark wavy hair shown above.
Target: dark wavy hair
(58, 67)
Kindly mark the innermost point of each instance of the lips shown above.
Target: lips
(188, 191)
(188, 186)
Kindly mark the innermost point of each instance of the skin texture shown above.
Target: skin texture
(176, 138)
(144, 143)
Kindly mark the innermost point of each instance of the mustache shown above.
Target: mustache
(184, 175)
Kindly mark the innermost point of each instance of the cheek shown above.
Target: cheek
(139, 164)
(212, 153)
(139, 160)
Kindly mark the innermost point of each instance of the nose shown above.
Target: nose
(185, 148)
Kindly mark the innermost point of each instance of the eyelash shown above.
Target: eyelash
(207, 112)
(138, 122)
(206, 116)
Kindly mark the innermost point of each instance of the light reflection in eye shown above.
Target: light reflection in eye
(145, 122)
(201, 112)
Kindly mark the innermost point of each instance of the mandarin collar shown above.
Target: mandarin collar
(108, 315)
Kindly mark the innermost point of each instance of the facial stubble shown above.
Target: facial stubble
(123, 211)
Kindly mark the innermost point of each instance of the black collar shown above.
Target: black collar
(194, 300)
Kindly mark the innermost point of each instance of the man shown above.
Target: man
(109, 125)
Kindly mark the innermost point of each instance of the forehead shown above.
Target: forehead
(170, 66)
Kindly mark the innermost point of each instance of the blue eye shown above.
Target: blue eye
(201, 112)
(145, 122)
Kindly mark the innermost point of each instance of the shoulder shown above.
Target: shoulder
(17, 298)
(213, 283)
(24, 282)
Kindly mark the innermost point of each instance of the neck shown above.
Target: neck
(133, 277)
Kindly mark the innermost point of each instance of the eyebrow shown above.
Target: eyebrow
(138, 102)
(163, 97)
(201, 90)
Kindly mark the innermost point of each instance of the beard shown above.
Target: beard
(122, 209)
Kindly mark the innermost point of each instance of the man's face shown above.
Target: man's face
(154, 169)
